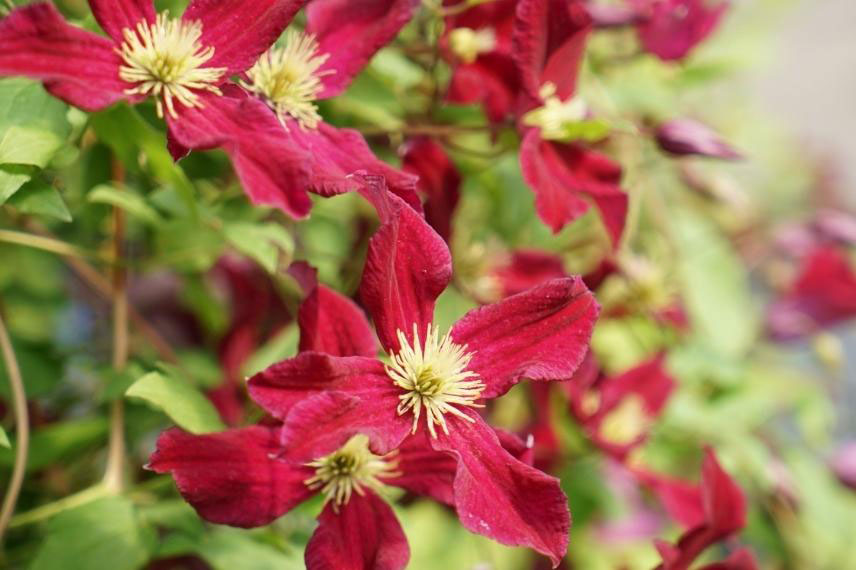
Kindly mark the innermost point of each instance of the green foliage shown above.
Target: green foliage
(185, 405)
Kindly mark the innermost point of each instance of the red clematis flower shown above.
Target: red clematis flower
(439, 181)
(712, 511)
(183, 63)
(669, 29)
(478, 43)
(822, 295)
(616, 412)
(433, 383)
(251, 476)
(549, 39)
(682, 137)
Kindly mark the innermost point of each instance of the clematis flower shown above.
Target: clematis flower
(712, 511)
(682, 137)
(823, 294)
(670, 29)
(184, 64)
(477, 42)
(433, 383)
(616, 412)
(439, 181)
(549, 39)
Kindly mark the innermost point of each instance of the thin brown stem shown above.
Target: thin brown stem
(22, 428)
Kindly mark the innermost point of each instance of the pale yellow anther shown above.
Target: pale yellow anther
(165, 59)
(467, 44)
(554, 116)
(626, 422)
(434, 377)
(351, 468)
(289, 79)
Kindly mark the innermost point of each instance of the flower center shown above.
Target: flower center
(350, 468)
(289, 79)
(556, 115)
(468, 44)
(434, 377)
(627, 422)
(165, 60)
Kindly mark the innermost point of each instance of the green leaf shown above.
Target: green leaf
(227, 549)
(715, 286)
(262, 242)
(36, 197)
(33, 124)
(183, 403)
(102, 534)
(60, 440)
(127, 200)
(12, 177)
(4, 439)
(591, 130)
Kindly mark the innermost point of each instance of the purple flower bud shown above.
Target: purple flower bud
(683, 137)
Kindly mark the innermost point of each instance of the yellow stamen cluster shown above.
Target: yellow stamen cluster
(556, 114)
(351, 468)
(467, 44)
(165, 60)
(434, 377)
(626, 422)
(288, 77)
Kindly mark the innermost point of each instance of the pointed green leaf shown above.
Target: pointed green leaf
(127, 200)
(36, 197)
(183, 403)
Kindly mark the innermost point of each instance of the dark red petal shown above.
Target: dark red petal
(549, 42)
(351, 32)
(330, 322)
(491, 80)
(541, 334)
(528, 268)
(723, 501)
(681, 500)
(364, 534)
(562, 174)
(439, 180)
(116, 15)
(738, 560)
(320, 424)
(683, 137)
(648, 380)
(240, 31)
(425, 471)
(282, 385)
(77, 66)
(272, 172)
(337, 156)
(502, 498)
(407, 267)
(669, 29)
(231, 477)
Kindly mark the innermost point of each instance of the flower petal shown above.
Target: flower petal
(549, 42)
(439, 180)
(528, 268)
(723, 501)
(492, 80)
(271, 171)
(407, 267)
(562, 174)
(683, 137)
(335, 156)
(77, 66)
(425, 471)
(669, 29)
(502, 498)
(230, 477)
(330, 322)
(351, 32)
(280, 386)
(320, 424)
(541, 334)
(363, 534)
(116, 15)
(240, 31)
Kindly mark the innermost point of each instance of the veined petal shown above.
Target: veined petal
(351, 32)
(77, 66)
(549, 41)
(330, 322)
(363, 534)
(280, 386)
(116, 15)
(231, 477)
(528, 268)
(272, 172)
(541, 334)
(502, 498)
(424, 470)
(407, 267)
(563, 174)
(240, 31)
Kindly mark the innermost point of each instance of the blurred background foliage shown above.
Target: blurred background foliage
(701, 232)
